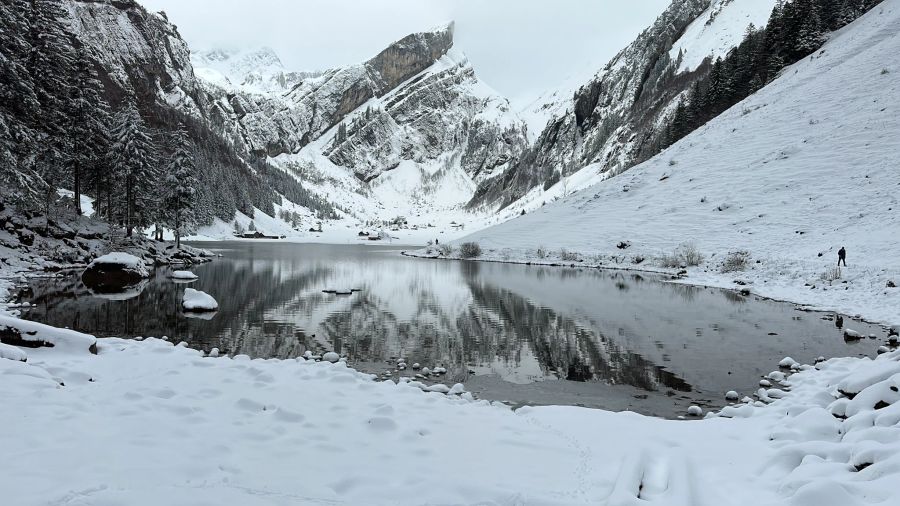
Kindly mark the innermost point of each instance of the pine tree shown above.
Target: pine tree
(17, 93)
(50, 60)
(89, 119)
(810, 34)
(181, 184)
(134, 169)
(694, 107)
(50, 63)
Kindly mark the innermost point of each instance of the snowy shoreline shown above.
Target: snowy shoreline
(710, 280)
(232, 429)
(235, 429)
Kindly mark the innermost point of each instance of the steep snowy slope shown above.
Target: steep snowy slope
(613, 118)
(805, 166)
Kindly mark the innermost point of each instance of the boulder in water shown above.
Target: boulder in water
(114, 272)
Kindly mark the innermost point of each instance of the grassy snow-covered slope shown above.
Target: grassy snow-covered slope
(807, 165)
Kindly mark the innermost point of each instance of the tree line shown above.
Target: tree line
(795, 30)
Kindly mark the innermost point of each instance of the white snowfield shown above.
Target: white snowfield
(195, 300)
(148, 423)
(807, 165)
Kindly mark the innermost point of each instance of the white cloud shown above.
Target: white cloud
(520, 47)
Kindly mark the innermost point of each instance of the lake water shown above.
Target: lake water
(519, 334)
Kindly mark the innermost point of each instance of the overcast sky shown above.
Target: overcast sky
(519, 47)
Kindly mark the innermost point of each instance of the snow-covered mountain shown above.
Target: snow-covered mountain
(411, 131)
(613, 119)
(258, 71)
(801, 168)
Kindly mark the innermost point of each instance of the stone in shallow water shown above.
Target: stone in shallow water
(195, 300)
(114, 272)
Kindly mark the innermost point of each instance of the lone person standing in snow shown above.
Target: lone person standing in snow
(842, 256)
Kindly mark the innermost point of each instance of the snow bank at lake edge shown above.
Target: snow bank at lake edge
(276, 415)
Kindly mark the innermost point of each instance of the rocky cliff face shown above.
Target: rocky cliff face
(273, 125)
(443, 113)
(611, 119)
(140, 54)
(417, 100)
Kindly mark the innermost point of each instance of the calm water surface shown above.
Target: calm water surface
(524, 335)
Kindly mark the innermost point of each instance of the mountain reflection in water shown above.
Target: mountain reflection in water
(517, 323)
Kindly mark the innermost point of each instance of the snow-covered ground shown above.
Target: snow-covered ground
(805, 166)
(148, 422)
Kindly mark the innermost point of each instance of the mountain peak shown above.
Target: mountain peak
(410, 55)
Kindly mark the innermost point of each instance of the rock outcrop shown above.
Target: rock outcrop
(444, 112)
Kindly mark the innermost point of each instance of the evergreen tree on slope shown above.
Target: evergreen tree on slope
(134, 169)
(180, 187)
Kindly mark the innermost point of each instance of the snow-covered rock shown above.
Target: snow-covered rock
(183, 276)
(852, 335)
(28, 334)
(114, 271)
(331, 357)
(8, 352)
(197, 301)
(787, 363)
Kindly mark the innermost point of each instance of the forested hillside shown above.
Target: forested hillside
(69, 119)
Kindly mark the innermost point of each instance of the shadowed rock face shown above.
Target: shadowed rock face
(142, 55)
(407, 57)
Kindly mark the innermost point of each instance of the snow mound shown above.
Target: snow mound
(27, 334)
(195, 300)
(12, 353)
